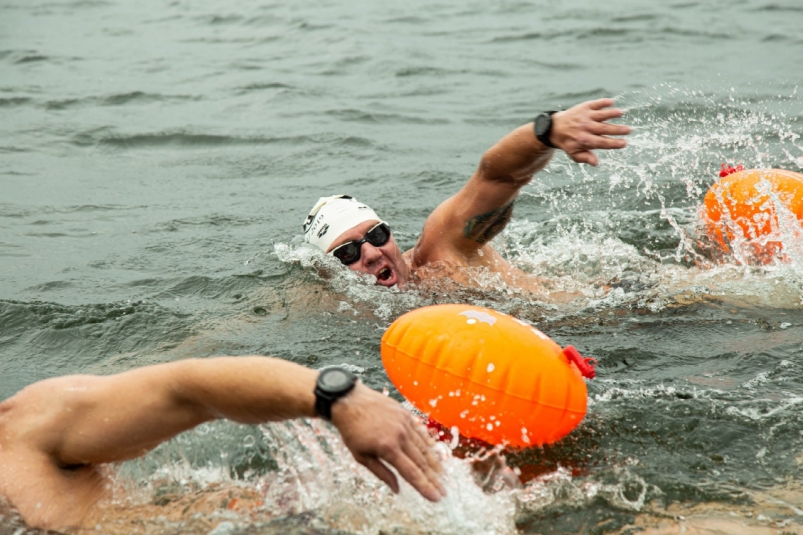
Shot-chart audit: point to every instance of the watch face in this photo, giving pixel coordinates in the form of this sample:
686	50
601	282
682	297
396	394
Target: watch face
335	379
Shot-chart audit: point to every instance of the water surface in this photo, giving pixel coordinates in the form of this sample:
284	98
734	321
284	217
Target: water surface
157	160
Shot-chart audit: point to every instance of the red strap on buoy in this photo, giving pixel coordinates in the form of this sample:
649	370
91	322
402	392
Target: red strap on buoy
728	170
585	365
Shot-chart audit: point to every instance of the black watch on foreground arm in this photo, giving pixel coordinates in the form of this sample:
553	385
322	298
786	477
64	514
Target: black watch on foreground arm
333	383
543	128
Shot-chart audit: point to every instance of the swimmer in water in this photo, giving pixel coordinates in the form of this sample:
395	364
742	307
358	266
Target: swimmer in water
457	233
56	435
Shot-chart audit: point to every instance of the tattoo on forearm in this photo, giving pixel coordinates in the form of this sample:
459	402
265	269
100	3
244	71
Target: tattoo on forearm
484	227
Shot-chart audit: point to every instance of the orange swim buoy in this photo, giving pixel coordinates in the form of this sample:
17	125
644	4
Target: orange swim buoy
752	212
491	376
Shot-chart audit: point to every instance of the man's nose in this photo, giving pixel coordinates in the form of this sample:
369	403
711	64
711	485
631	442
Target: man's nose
370	253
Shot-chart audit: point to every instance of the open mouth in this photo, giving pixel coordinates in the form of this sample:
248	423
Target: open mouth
384	274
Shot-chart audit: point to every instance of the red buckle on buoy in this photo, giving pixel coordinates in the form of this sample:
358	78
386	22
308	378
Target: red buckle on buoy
584	364
728	170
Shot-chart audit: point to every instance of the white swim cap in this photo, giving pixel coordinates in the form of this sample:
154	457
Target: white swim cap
332	216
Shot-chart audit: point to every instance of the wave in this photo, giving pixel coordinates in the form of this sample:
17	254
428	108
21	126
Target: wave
780	8
12	102
181	138
120	99
32	58
100	337
607	34
262	87
17	211
361	116
43	314
532	36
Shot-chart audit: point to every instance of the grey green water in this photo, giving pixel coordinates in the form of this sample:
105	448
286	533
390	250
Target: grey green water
157	159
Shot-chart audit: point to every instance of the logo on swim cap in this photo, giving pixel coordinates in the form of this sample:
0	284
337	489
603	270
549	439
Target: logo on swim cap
332	216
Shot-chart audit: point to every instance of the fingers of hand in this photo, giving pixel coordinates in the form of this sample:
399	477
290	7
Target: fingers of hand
414	450
590	141
411	472
584	157
381	471
426	444
423	454
602	142
417	449
600	103
606	114
606	129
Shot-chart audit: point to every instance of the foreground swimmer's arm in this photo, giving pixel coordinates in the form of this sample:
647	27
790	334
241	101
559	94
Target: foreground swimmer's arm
84	420
460	228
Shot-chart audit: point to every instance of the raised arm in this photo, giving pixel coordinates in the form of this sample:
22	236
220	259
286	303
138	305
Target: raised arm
84	420
461	226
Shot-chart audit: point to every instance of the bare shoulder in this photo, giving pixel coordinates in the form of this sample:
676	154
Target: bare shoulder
8	413
36	413
32	424
35	396
455	237
436	243
13	412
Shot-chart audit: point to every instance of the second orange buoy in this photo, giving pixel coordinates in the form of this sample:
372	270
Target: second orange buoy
750	212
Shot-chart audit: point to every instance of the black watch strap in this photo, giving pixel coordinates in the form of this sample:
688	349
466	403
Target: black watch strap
323	406
542	125
333	383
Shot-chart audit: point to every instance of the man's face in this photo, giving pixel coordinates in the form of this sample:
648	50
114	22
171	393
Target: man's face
385	263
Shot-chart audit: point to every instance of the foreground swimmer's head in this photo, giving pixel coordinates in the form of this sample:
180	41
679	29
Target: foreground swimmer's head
354	234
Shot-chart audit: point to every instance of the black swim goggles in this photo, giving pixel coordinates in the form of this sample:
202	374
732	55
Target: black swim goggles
350	252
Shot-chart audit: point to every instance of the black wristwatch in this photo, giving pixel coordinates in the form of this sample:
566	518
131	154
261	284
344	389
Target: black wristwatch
333	383
543	128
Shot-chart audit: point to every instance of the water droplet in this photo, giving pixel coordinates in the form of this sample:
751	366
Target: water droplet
490	367
455	437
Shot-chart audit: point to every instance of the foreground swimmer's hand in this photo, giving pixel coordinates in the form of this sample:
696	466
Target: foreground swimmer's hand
378	430
583	128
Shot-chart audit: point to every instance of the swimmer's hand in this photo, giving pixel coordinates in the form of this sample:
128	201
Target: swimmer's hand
583	128
378	430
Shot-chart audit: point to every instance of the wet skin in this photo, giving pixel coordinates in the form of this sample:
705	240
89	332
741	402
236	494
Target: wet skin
386	263
57	435
458	232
